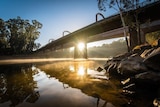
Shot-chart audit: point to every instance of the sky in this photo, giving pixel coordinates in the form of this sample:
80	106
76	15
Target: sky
56	16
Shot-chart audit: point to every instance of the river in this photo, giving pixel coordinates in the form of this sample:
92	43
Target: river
60	83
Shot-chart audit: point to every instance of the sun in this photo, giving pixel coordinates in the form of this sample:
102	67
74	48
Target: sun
71	49
81	46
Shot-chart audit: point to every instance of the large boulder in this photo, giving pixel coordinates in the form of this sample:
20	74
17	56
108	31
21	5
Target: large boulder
112	65
142	59
131	66
146	80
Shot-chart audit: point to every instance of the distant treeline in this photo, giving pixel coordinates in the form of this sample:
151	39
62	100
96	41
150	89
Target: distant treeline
108	50
104	51
17	36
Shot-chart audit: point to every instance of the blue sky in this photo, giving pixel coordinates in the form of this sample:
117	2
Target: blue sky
55	15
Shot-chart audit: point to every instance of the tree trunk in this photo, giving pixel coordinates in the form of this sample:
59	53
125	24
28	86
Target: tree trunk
124	30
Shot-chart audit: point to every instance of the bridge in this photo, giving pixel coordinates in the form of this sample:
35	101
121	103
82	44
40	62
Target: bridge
110	27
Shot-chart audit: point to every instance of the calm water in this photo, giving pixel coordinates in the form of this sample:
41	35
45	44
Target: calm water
61	84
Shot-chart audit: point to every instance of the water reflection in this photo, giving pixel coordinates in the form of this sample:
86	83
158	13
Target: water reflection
79	67
86	68
17	85
83	75
59	84
53	84
73	75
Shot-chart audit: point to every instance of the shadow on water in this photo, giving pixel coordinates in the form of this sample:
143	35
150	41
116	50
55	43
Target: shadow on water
34	83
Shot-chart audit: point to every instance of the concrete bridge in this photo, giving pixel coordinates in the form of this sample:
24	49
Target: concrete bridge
110	27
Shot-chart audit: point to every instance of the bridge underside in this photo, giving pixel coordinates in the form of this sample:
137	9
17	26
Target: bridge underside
110	27
151	27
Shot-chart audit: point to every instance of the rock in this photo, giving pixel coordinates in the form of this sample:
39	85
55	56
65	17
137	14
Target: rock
153	60
139	70
146	53
132	66
122	56
112	64
141	48
156	102
143	83
111	68
99	69
153	53
155	77
130	87
133	63
148	80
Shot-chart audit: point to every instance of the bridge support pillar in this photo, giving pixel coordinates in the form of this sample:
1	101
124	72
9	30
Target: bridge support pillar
80	53
143	37
135	38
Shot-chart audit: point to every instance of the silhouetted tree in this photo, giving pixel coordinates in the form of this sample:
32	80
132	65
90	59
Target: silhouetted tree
18	36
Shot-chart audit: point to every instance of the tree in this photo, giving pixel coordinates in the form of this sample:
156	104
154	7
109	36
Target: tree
17	39
17	36
123	6
120	6
4	36
32	34
152	37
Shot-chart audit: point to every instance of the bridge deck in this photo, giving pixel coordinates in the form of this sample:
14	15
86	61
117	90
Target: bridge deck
107	28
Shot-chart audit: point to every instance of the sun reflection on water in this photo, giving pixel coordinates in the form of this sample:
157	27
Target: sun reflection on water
85	69
81	71
80	68
71	68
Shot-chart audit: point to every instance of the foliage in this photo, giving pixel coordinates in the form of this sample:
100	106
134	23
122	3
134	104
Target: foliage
4	35
117	4
17	36
120	6
123	7
108	50
152	37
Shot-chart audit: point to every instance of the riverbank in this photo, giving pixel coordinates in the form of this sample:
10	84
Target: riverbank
138	71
